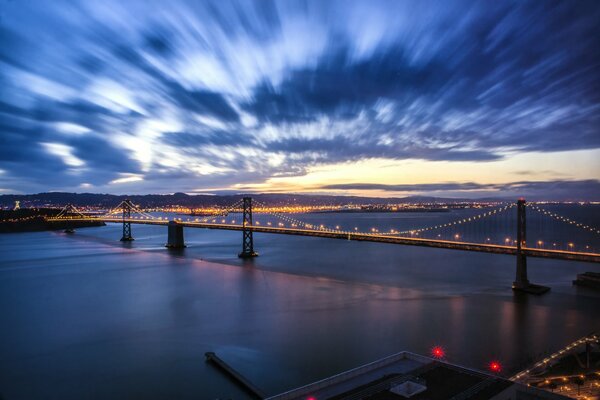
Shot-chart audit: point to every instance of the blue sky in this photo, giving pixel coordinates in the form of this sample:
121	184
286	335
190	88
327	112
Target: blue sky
351	97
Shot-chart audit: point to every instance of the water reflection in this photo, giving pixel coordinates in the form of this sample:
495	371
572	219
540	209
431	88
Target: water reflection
88	316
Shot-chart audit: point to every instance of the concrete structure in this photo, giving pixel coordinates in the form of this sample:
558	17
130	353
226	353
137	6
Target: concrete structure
589	279
175	236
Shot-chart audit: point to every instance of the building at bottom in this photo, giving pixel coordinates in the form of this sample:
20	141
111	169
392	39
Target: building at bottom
412	376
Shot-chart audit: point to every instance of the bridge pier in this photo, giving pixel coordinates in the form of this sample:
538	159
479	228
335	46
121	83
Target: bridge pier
126	223
175	236
521	282
247	239
69	226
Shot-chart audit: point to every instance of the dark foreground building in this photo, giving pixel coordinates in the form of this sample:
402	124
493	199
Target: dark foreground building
411	376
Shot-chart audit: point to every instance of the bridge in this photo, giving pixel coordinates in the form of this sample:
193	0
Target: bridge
448	235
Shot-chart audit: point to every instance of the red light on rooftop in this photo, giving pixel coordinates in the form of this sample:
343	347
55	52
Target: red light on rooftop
495	366
438	352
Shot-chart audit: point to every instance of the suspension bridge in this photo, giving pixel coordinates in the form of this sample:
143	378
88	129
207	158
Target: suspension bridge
475	233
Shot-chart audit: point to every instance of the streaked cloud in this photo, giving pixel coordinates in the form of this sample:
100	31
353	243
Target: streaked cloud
249	94
126	178
534	190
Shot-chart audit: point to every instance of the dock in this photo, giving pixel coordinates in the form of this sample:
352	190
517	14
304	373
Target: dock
589	279
239	378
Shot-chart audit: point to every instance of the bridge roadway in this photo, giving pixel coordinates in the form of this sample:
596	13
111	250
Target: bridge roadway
367	237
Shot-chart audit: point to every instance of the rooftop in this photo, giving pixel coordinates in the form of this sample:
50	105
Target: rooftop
408	375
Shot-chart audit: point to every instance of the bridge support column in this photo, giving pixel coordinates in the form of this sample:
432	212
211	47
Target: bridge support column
127	206
69	226
247	239
175	236
521	282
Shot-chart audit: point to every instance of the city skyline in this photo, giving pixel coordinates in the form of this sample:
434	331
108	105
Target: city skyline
465	99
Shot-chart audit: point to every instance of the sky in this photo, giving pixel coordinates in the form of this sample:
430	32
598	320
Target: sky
375	98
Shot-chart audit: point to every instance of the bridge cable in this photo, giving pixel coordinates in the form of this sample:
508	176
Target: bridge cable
564	219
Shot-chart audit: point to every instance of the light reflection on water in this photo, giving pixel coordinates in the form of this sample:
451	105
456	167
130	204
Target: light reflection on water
87	315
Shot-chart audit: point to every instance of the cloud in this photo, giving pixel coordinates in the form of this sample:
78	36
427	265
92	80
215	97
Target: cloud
241	92
212	137
426	187
559	189
339	148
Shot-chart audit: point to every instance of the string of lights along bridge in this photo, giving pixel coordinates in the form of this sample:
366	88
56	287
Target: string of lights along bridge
508	229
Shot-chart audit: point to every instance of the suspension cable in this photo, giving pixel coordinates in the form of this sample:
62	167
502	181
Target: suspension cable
564	219
457	222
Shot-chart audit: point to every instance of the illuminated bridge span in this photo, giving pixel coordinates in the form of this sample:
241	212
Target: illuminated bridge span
474	233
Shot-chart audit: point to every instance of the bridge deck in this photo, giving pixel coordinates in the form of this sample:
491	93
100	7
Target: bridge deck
365	237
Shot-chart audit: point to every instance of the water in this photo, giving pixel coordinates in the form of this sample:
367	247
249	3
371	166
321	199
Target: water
86	316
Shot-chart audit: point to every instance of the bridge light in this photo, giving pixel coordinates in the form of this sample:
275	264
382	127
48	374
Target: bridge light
457	236
571	245
540	243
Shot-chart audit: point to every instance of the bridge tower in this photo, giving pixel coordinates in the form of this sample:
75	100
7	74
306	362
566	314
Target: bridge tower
69	227
127	206
247	240
521	281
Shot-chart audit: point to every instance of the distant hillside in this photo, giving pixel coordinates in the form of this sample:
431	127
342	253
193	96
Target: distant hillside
182	199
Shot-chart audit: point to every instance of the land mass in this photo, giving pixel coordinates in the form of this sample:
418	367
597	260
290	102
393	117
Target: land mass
57	199
34	220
